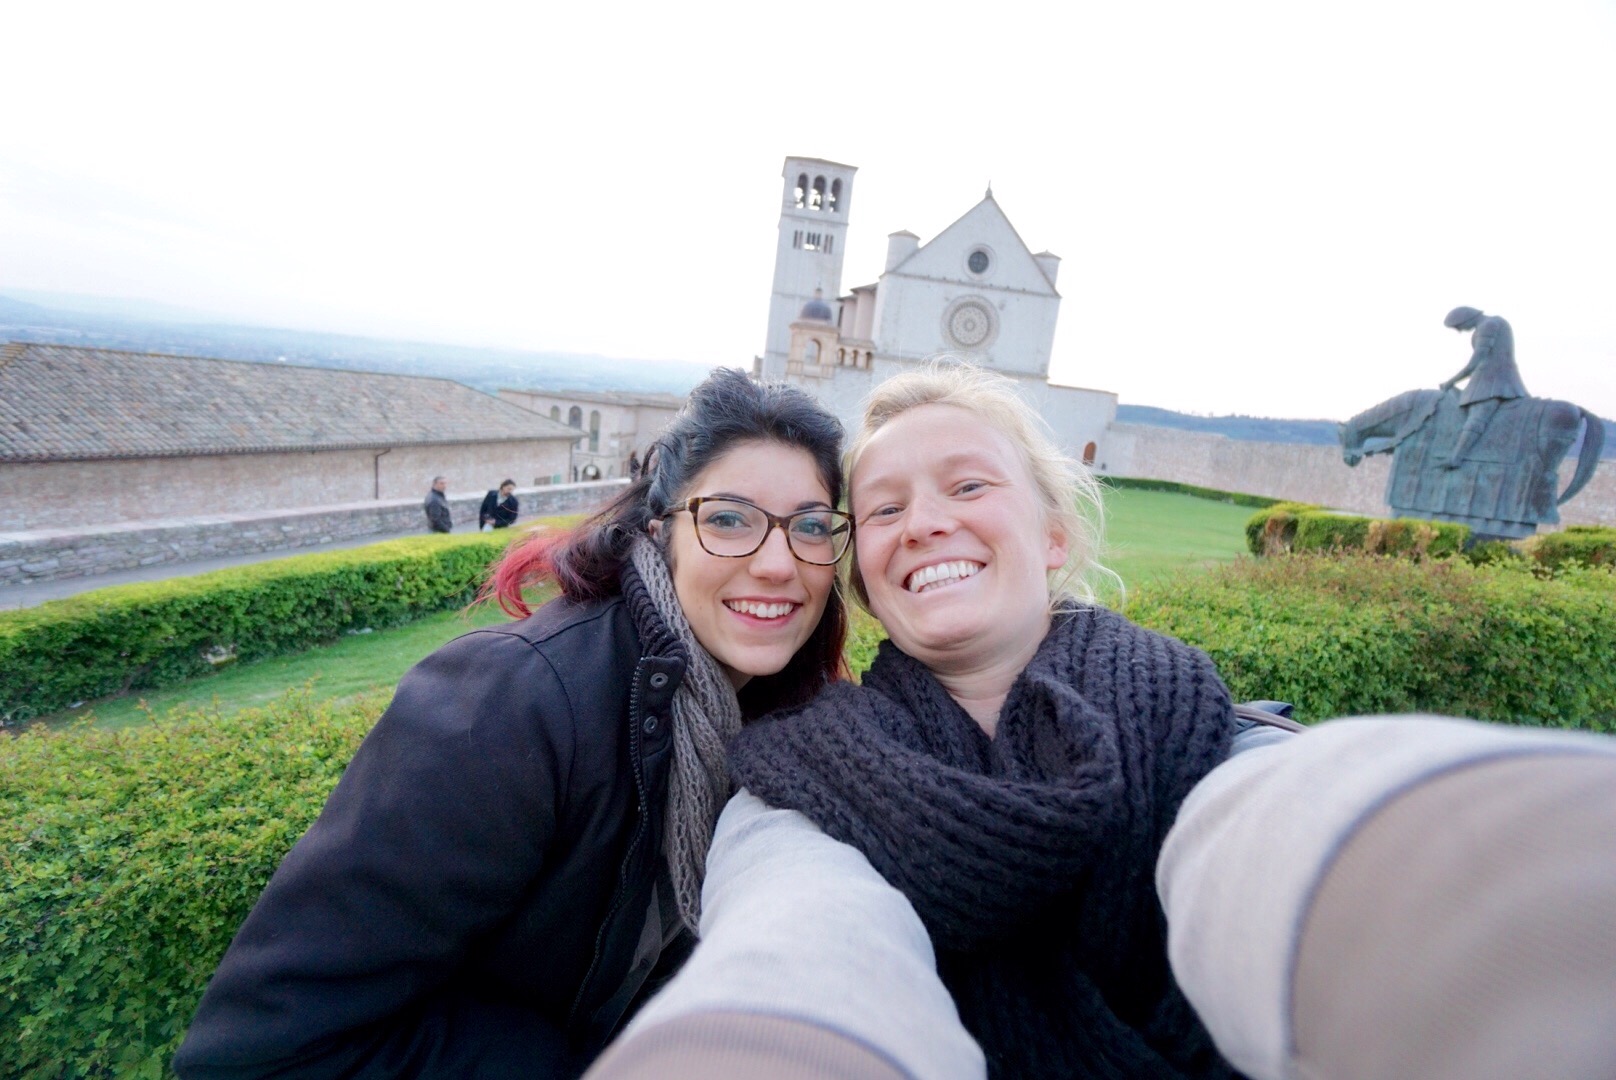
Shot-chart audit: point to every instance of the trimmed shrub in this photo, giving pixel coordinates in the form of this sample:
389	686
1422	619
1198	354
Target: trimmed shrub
1493	553
131	857
1272	530
1329	532
1238	498
1589	545
1416	538
1287	527
1354	634
133	637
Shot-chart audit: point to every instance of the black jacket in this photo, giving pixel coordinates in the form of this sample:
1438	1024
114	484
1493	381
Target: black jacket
438	516
500	513
479	896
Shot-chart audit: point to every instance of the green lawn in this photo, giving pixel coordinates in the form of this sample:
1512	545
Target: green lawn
345	668
1149	534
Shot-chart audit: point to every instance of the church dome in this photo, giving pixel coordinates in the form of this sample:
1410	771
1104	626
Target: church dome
817	309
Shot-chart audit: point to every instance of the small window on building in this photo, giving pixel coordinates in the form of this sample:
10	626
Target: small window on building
830	243
835	195
594	431
575	417
796	239
811	242
810	355
1088	453
555	413
802	189
816	197
978	262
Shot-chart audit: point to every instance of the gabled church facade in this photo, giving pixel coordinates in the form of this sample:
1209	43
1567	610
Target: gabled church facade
975	291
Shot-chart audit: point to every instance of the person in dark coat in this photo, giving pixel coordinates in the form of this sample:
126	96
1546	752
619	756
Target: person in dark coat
513	859
499	508
438	517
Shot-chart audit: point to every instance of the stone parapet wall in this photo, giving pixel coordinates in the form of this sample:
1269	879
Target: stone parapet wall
47	554
1314	474
52	494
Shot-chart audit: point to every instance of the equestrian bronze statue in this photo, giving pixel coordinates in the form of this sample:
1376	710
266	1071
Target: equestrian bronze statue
1488	457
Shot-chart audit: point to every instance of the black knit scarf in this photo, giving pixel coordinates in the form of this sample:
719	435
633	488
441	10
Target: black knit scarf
1030	856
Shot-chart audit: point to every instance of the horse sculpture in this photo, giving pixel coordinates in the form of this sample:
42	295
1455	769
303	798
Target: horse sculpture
1504	486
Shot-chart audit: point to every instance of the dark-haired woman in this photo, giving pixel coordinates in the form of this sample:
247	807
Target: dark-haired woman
514	857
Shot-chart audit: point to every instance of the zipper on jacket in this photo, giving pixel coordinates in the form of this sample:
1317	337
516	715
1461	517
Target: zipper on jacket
637	767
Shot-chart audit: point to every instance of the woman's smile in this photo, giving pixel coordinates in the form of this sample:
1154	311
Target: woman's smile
940	575
766	612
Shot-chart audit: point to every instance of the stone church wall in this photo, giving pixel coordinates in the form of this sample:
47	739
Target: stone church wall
1314	474
72	494
48	554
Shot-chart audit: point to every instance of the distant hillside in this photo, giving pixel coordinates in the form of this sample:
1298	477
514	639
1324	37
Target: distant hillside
109	327
116	324
1250	428
1265	429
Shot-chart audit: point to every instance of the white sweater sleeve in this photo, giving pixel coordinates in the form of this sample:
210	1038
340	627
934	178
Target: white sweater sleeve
798	925
1268	834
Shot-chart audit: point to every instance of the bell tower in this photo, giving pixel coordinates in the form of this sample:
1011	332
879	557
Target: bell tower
814	203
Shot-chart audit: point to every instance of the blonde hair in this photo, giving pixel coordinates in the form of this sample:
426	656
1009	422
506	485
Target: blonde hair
1068	493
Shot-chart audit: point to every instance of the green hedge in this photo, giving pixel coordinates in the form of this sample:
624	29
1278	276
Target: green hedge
864	636
132	637
130	859
1288	527
1352	634
1317	531
1238	498
132	856
1589	545
1273	529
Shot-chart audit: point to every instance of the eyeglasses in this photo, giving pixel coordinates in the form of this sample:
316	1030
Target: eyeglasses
734	529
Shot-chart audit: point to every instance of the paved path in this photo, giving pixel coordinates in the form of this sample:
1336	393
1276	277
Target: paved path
21	596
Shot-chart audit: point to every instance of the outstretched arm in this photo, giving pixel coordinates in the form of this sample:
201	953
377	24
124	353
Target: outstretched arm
810	965
1401	896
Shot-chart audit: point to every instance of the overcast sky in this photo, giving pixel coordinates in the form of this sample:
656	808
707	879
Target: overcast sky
1260	207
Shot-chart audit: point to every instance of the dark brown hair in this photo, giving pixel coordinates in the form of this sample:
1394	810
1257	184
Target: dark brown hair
727	409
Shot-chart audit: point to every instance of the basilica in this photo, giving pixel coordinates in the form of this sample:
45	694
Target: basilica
975	291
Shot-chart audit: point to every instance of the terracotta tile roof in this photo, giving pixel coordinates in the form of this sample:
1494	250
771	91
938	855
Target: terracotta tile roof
60	403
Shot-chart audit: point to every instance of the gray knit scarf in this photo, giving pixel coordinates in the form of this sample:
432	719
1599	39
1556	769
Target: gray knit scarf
706	715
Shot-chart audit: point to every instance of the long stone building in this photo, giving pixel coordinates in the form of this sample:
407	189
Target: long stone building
102	436
615	424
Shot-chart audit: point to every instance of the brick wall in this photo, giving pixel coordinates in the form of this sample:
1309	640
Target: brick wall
71	494
46	554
